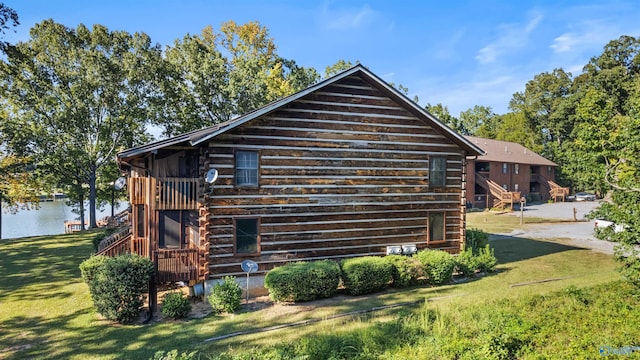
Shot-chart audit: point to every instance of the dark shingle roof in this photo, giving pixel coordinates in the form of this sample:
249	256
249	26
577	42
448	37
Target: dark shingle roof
508	152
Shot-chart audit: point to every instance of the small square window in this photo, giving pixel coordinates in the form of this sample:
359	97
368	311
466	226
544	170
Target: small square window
247	237
437	171
247	168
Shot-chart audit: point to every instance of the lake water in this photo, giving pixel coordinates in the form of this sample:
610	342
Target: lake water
47	220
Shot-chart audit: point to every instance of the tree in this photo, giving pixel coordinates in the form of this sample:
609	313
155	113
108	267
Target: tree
75	97
18	185
209	78
442	113
8	20
478	117
339	66
513	127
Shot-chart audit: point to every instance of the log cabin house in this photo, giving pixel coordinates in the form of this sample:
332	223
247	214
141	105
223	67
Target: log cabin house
507	172
348	167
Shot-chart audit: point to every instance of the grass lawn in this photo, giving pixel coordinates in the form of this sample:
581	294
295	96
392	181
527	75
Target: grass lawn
46	310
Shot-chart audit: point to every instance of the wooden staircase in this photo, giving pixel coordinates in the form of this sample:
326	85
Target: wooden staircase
503	198
556	192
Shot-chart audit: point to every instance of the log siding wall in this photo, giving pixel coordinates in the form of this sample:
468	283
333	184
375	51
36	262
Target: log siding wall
343	173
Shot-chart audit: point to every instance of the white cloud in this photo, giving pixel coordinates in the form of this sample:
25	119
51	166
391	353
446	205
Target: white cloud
345	19
512	36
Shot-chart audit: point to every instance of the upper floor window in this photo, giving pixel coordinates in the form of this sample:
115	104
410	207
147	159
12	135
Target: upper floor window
437	171
247	168
505	168
516	169
549	170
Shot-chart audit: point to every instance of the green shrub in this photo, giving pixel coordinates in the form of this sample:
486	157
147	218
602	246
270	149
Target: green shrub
226	296
175	305
438	265
117	283
365	275
407	270
475	240
466	263
486	259
90	267
303	281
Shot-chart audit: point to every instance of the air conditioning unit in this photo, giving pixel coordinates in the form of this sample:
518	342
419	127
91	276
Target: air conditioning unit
409	249
394	250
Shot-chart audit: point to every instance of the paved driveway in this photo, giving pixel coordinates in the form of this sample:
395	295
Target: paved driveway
579	234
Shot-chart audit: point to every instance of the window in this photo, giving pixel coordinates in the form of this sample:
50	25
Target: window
516	169
549	170
436	227
437	171
247	168
515	188
140	221
505	168
247	238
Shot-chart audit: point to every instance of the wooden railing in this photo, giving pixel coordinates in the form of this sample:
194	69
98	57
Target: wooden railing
177	193
127	245
556	192
172	193
114	238
177	264
503	197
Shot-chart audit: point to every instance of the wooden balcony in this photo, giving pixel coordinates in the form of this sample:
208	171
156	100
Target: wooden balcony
171	193
177	265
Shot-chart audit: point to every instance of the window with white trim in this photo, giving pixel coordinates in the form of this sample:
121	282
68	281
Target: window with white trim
437	171
247	166
505	168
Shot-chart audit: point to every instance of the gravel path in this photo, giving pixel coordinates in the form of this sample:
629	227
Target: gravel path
579	234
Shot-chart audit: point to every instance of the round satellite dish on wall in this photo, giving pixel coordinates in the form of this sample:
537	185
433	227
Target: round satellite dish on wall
212	176
120	183
249	266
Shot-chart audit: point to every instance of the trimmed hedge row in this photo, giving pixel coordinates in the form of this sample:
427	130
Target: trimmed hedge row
305	281
364	275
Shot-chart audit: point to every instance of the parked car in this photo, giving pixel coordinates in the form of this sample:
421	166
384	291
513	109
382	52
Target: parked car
585	196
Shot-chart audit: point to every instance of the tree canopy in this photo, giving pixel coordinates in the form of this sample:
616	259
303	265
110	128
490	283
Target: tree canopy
74	98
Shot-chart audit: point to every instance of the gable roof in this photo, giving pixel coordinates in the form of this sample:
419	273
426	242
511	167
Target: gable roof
508	152
198	137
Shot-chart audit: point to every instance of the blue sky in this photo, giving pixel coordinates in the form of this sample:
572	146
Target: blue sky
459	53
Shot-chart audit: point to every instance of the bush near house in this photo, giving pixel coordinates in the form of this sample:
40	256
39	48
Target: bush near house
117	283
467	263
366	274
438	265
226	296
486	259
475	240
407	271
303	281
175	305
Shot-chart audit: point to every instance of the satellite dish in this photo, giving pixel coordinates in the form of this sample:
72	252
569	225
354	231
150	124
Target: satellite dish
212	176
249	266
119	183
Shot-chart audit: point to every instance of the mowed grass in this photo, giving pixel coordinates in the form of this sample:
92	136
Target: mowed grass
46	309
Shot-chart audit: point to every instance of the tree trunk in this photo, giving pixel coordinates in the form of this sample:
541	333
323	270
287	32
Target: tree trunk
92	199
0	218
82	212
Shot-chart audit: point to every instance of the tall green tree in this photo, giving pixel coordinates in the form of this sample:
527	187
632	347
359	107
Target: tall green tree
8	20
214	76
75	97
442	113
473	119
